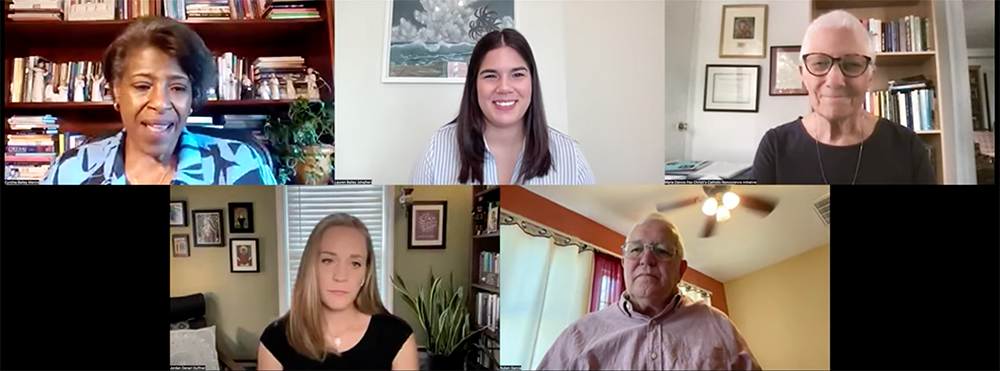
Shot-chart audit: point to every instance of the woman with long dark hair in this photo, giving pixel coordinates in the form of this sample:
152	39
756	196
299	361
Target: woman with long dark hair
500	135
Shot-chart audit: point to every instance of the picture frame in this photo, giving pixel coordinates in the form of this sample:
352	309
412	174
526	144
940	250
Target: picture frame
743	31
785	78
180	245
428	225
178	214
414	53
209	230
241	217
732	88
244	255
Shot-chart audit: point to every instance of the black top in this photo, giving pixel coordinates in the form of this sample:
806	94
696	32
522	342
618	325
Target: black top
892	155
376	350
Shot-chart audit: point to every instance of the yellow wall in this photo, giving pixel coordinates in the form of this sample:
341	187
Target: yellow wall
783	311
240	305
415	265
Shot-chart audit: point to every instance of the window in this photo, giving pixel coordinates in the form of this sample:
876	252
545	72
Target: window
300	208
608	284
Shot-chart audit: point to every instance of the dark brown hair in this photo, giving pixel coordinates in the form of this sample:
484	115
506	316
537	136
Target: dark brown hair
537	160
171	37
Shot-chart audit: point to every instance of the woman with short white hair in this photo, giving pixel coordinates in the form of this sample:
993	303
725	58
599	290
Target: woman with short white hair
839	142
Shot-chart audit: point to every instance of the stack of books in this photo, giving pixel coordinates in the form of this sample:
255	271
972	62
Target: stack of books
33	143
290	9
36	10
212	10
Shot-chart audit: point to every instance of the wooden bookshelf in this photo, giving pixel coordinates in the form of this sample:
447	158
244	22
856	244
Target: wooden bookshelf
483	242
897	65
67	41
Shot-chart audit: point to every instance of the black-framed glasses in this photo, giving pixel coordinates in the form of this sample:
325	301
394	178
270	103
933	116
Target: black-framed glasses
634	250
851	65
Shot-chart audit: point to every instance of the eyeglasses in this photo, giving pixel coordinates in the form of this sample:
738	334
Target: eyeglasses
634	250
851	65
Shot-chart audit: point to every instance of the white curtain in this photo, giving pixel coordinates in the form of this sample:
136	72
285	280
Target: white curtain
552	288
695	293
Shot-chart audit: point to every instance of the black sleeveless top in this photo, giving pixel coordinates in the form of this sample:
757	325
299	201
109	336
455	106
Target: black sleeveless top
376	350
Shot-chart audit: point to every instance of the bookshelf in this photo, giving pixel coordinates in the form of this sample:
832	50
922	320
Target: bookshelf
484	285
899	65
71	41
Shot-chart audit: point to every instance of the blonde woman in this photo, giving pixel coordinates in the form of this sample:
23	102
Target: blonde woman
337	320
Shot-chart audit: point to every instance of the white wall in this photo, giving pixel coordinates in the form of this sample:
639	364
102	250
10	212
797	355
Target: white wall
733	137
602	85
984	58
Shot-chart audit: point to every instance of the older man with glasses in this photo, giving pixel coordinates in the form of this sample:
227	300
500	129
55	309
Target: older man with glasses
840	142
653	327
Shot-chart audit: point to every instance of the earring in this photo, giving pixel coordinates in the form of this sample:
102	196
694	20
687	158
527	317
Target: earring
190	111
115	105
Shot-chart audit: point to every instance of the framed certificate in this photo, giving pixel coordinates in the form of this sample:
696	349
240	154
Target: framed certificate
785	78
732	88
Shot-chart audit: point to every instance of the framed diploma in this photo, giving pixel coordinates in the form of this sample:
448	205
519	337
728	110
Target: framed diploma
744	31
785	78
732	88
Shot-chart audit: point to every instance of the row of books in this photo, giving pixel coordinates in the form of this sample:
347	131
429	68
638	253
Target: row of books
33	142
103	10
488	311
489	268
36	10
82	10
907	34
240	9
910	104
38	80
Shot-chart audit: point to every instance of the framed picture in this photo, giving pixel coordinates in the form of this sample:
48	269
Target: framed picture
428	224
181	245
785	78
208	228
241	217
744	31
178	213
732	88
244	255
434	45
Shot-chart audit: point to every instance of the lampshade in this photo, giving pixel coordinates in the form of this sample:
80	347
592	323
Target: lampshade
730	200
722	214
710	206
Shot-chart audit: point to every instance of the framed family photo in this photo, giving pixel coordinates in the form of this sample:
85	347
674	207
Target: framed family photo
433	45
181	244
208	228
244	255
428	224
732	88
744	31
178	214
241	217
785	78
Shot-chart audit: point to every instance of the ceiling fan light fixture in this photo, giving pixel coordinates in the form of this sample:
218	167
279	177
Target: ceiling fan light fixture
730	200
722	214
710	207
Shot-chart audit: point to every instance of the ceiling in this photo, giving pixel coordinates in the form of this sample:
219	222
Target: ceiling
979	23
743	244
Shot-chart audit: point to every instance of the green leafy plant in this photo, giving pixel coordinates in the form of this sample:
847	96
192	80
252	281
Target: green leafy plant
442	314
307	123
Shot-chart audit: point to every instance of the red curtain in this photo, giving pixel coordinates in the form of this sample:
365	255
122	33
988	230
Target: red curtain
608	282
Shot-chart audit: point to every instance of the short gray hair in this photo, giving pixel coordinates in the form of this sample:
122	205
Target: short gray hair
659	218
839	20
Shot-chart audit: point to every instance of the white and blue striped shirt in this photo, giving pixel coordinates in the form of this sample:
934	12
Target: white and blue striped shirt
440	164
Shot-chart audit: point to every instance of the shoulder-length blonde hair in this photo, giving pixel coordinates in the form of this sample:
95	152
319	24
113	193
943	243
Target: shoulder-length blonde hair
305	316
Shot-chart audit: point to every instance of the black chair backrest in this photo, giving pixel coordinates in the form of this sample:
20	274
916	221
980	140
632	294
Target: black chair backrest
190	309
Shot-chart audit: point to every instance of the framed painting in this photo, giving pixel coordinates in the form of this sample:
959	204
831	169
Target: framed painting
428	225
425	45
244	255
181	245
178	214
732	88
744	31
241	217
208	229
785	78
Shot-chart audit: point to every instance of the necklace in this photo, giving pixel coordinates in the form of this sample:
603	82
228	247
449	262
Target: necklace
131	180
336	343
856	166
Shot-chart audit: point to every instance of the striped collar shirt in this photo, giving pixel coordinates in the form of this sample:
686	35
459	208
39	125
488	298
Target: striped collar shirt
440	164
686	335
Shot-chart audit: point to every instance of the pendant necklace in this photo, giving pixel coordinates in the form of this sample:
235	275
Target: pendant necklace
856	166
336	343
133	182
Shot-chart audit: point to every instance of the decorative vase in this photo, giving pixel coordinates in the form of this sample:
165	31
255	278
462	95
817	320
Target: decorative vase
317	163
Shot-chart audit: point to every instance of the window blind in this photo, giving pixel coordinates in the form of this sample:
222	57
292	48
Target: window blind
307	205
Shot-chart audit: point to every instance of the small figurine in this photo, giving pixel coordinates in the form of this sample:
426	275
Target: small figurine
246	90
97	89
38	82
290	89
275	91
477	220
263	90
79	92
311	87
50	93
63	95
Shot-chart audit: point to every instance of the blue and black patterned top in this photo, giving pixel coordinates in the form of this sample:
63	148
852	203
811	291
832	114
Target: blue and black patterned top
202	160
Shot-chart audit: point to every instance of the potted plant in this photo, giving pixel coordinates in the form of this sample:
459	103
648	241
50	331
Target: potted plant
442	314
303	142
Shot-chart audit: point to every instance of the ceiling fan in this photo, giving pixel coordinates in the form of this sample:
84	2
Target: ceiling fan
717	203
